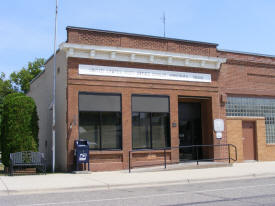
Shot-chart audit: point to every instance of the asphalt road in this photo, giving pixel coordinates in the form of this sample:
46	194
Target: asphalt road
256	191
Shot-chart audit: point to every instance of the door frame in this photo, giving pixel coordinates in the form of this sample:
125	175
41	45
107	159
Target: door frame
205	107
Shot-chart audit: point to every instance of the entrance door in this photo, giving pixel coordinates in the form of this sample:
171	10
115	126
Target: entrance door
249	140
189	129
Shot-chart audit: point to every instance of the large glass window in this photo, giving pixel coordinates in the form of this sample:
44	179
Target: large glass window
141	130
254	107
150	122
89	128
100	120
160	130
111	130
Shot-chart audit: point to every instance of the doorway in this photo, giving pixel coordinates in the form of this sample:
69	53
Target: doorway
249	148
195	127
189	129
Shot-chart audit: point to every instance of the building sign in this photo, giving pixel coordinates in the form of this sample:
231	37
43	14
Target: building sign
142	73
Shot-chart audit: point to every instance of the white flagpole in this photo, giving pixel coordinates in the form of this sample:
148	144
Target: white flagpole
54	88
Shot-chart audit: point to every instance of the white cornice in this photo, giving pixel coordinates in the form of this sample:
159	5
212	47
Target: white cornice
141	56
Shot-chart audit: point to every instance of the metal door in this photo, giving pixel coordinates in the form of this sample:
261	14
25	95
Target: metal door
248	140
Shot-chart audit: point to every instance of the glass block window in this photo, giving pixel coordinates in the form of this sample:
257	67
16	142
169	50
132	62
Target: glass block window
254	107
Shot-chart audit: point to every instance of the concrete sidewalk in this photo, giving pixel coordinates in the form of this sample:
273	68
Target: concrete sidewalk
119	179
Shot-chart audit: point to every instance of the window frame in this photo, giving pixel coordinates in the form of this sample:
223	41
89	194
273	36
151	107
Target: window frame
151	134
100	120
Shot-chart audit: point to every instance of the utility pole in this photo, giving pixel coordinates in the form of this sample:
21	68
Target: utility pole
54	88
164	22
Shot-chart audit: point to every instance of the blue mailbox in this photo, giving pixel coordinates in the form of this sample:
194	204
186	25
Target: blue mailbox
82	153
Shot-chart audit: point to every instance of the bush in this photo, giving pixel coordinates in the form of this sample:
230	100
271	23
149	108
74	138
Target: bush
19	126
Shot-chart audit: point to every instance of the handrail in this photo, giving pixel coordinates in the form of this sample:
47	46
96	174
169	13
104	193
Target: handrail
236	153
229	158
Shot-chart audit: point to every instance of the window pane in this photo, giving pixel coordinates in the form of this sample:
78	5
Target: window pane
160	130
111	130
89	128
141	130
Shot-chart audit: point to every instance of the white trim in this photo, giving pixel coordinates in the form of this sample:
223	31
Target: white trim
97	70
141	56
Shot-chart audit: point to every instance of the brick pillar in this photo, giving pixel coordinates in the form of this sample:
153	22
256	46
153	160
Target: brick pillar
218	111
72	118
126	127
174	131
263	152
234	136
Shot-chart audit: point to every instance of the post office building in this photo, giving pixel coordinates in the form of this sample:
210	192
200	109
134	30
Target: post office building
134	96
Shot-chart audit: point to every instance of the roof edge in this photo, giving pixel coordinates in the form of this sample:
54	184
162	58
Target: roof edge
51	56
140	35
246	53
37	76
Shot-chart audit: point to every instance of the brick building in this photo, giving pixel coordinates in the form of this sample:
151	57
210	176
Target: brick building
124	91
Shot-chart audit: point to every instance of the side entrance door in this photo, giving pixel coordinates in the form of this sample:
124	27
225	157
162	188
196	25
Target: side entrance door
249	140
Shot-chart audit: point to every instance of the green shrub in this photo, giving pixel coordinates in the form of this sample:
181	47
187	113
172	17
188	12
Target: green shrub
19	125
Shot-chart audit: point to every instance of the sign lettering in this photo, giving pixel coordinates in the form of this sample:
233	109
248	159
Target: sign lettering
142	73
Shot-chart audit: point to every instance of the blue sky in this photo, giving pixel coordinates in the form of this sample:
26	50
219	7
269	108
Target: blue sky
27	26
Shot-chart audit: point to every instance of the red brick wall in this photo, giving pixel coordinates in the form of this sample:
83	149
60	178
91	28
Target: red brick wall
138	42
246	57
247	80
247	74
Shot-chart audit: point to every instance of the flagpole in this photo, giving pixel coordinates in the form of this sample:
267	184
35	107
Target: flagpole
54	88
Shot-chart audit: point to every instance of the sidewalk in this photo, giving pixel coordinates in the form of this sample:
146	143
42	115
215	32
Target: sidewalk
118	179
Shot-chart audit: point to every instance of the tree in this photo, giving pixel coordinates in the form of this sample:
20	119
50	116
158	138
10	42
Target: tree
21	80
5	85
5	89
18	82
19	126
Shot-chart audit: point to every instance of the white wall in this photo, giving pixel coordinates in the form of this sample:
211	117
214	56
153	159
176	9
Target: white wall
41	92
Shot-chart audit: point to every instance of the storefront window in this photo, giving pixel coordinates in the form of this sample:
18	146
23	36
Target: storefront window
102	128
150	129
